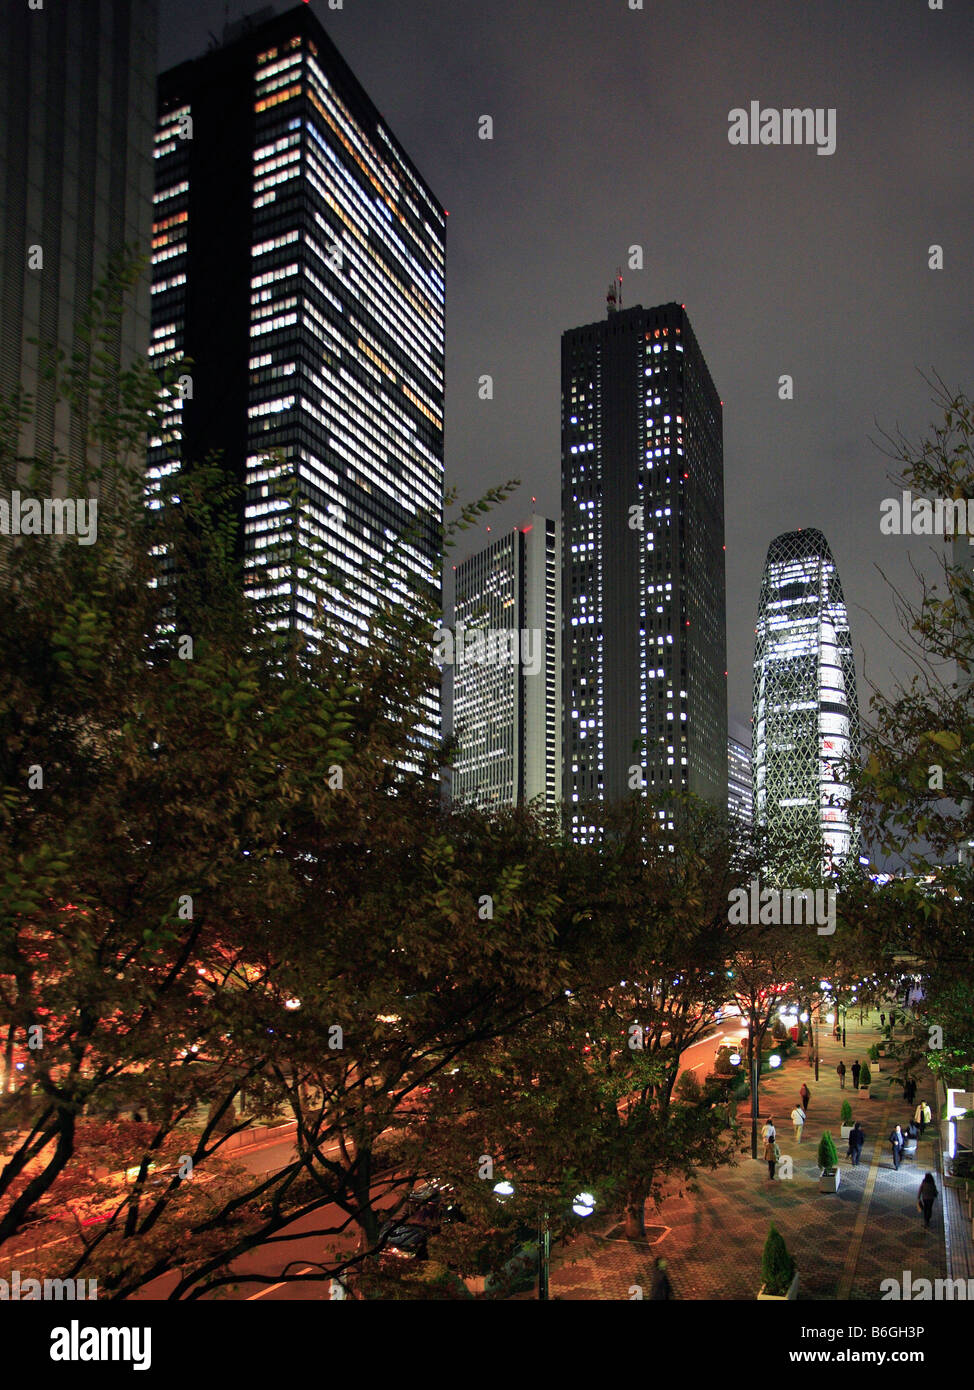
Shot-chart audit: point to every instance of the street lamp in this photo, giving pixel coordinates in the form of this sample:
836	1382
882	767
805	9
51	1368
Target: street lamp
583	1204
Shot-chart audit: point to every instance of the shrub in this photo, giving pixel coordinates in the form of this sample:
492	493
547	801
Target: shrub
846	1113
722	1062
865	1076
827	1156
873	1053
688	1088
777	1266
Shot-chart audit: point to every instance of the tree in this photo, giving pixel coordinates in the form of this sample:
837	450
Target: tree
828	1158
231	893
587	1092
777	1266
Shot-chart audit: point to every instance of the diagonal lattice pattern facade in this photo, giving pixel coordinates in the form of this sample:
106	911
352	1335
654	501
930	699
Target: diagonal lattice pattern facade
806	713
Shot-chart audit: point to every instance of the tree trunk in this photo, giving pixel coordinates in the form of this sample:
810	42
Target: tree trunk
634	1216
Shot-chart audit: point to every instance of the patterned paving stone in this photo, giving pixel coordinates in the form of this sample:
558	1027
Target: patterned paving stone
844	1243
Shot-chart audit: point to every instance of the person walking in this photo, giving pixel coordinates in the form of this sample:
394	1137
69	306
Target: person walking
923	1116
856	1140
926	1197
882	1020
771	1153
896	1143
840	1073
769	1133
909	1090
798	1120
661	1287
856	1069
806	1096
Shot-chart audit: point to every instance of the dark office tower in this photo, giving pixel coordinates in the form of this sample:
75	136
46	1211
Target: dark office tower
806	715
299	263
645	694
77	107
507	669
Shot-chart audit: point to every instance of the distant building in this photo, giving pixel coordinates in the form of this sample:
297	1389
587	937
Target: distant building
77	107
298	261
645	689
806	714
740	787
507	669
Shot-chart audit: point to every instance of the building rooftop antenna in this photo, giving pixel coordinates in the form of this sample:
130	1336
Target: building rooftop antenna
613	298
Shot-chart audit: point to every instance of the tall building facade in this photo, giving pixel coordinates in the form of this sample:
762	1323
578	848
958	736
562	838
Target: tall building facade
507	669
645	691
806	712
77	109
740	786
298	261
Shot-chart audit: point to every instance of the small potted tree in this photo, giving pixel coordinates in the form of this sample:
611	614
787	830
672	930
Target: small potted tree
865	1077
846	1128
778	1271
828	1162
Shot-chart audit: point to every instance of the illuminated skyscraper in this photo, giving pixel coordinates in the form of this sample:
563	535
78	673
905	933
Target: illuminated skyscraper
806	714
507	694
645	690
298	261
740	784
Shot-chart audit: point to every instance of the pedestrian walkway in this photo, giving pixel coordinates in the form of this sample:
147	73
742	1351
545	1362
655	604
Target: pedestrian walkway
844	1243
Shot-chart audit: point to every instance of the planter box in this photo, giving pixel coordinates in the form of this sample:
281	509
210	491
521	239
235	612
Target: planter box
475	1283
788	1297
829	1182
845	1131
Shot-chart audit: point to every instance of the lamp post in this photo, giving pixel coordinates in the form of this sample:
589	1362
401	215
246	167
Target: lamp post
583	1204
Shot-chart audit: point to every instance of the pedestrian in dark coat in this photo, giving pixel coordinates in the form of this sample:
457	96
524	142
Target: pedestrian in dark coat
909	1091
856	1140
926	1197
896	1143
806	1096
840	1073
661	1287
882	1020
856	1069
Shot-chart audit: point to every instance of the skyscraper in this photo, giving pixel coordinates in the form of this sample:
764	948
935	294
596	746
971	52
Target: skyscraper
806	714
740	786
507	669
645	694
77	106
299	263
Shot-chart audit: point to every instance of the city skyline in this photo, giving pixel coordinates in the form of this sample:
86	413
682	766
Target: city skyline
789	264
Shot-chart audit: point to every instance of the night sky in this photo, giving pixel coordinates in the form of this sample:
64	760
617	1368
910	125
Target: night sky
611	129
